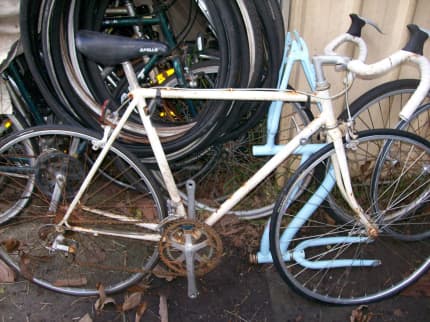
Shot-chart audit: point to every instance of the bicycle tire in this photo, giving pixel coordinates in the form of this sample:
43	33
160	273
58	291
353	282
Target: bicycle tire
252	60
407	192
28	21
379	108
48	25
418	122
394	264
205	122
272	25
122	186
14	198
9	124
54	44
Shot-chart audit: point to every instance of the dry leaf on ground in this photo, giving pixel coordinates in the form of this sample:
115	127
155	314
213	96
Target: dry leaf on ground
361	314
131	301
103	299
162	273
7	275
86	318
140	311
141	287
10	245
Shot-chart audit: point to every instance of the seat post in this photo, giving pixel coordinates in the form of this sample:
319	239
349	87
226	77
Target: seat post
131	75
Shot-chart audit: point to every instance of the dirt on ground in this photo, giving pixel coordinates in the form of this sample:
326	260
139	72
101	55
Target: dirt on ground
235	291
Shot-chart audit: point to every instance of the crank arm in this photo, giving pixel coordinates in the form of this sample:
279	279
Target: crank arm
189	260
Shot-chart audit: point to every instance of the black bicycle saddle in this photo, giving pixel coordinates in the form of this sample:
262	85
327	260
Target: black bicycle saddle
111	50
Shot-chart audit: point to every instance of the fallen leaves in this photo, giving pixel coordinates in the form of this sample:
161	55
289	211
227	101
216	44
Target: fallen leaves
361	314
162	273
7	275
132	301
103	299
241	234
10	245
140	311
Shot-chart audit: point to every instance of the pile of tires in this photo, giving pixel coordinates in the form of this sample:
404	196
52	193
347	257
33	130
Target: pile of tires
213	43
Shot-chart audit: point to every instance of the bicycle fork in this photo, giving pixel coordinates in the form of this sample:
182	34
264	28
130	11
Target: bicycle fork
343	180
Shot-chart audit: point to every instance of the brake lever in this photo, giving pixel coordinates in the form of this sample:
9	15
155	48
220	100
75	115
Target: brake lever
427	31
371	23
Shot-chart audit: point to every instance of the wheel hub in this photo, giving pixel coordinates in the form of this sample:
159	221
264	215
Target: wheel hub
54	166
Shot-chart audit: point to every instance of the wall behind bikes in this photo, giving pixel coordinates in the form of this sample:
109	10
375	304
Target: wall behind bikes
319	21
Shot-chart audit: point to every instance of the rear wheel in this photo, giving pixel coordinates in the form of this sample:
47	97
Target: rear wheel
121	196
380	107
15	196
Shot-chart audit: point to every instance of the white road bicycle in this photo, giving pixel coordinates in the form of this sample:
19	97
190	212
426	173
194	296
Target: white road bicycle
95	214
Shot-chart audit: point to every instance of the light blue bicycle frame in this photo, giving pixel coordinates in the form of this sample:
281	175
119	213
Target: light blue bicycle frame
296	51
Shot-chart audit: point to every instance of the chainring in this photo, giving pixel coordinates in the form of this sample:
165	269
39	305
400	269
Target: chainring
205	259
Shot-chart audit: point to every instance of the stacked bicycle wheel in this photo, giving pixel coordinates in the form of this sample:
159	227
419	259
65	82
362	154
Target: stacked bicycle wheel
212	44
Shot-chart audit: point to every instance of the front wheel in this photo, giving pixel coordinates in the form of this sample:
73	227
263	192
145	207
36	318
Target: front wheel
337	262
121	196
